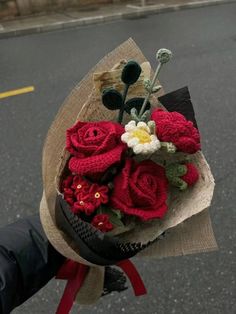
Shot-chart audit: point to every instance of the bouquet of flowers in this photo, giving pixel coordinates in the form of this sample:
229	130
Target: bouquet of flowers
123	175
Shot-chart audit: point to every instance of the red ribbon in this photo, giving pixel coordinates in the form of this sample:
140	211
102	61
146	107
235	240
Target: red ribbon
75	273
135	279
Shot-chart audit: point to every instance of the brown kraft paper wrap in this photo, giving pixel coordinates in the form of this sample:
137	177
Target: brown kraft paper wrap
187	221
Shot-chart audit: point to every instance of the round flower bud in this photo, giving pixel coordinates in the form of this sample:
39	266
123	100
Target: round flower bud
163	55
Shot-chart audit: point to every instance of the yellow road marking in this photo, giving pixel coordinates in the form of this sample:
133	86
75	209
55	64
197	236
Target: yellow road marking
15	92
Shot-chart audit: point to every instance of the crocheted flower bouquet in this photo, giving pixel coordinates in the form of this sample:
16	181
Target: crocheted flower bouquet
131	173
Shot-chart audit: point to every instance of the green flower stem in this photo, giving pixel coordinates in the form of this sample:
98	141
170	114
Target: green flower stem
122	108
163	56
168	147
150	90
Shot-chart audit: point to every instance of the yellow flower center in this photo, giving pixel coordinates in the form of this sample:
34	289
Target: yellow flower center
142	135
97	195
81	203
79	186
100	223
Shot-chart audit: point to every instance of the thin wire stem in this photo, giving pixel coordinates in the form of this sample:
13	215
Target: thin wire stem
150	90
121	112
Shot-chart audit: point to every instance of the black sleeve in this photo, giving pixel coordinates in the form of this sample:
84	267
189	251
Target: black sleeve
27	262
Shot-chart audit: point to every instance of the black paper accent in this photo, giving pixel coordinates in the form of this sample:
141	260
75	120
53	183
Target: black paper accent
93	245
180	101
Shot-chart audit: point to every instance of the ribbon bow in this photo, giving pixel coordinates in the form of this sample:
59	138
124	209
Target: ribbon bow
75	274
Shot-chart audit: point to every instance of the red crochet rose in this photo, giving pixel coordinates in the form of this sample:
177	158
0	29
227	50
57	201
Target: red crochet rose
101	222
191	175
95	146
141	190
173	127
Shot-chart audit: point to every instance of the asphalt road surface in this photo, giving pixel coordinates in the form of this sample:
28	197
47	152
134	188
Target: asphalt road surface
204	44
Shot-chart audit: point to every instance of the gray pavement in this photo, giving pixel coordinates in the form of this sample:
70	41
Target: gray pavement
95	14
204	44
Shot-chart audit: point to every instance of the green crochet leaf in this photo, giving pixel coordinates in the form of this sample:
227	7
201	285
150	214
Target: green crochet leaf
168	147
136	103
152	125
131	73
175	170
112	99
147	86
134	115
146	116
179	183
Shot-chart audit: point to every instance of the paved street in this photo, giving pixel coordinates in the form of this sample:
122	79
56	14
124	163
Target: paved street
204	45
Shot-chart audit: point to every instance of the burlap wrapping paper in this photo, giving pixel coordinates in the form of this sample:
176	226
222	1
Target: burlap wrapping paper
187	220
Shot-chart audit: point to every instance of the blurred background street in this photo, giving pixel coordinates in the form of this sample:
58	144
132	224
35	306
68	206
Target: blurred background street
203	41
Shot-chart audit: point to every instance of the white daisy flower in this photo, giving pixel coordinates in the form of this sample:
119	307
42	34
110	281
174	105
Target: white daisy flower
139	138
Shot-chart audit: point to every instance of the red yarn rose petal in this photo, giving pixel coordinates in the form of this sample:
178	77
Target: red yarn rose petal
192	174
96	164
173	127
141	190
95	146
